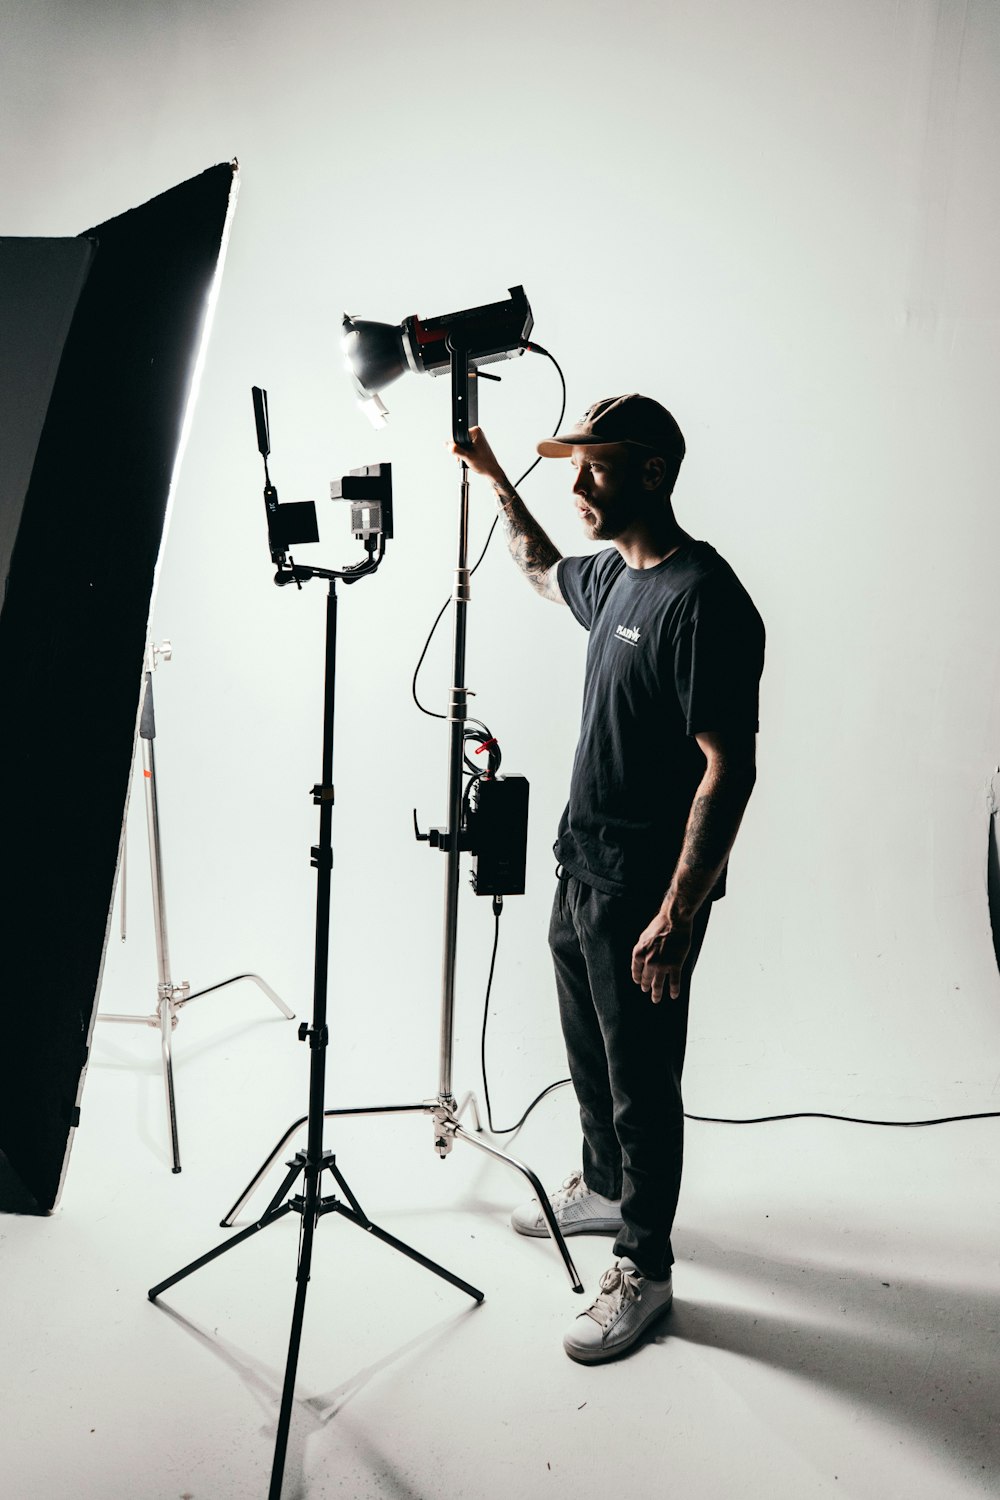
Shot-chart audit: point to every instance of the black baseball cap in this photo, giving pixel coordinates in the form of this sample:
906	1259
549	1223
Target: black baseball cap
621	419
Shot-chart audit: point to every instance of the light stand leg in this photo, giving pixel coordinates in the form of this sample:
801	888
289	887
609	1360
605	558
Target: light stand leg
302	1273
203	1260
261	984
167	1023
543	1199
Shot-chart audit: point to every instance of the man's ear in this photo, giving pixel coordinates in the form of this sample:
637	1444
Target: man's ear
653	473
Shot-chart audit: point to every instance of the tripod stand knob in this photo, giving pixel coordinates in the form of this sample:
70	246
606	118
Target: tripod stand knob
437	837
315	1037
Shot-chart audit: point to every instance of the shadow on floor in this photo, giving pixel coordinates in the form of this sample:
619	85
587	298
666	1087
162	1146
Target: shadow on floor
312	1413
919	1354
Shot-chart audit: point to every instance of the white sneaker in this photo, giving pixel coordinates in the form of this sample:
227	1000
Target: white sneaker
626	1306
577	1211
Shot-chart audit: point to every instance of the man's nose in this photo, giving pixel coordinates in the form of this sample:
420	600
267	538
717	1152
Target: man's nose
579	483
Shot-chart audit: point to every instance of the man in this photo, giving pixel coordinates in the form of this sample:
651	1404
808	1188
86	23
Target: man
662	774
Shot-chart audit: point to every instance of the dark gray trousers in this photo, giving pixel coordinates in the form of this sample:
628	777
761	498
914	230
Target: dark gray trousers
626	1056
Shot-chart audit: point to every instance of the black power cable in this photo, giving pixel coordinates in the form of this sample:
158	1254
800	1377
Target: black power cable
502	1129
802	1114
814	1114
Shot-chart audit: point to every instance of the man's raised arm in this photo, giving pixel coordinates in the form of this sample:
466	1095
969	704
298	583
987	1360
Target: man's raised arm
531	549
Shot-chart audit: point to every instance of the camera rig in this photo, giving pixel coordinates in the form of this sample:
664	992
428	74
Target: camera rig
289	523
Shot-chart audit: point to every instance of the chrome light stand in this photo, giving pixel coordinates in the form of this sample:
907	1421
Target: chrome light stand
445	1111
170	997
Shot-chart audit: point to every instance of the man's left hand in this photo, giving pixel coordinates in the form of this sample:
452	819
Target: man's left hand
659	956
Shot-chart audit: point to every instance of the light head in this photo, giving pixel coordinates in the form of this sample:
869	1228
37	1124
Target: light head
378	353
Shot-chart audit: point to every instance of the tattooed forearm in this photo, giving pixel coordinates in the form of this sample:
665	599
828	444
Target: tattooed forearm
712	826
529	546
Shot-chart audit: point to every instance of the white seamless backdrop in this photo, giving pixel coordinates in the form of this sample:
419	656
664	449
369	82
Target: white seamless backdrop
783	220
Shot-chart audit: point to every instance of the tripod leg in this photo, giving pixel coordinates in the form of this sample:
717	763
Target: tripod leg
363	1222
357	1215
294	1342
271	1212
540	1193
166	1027
203	1260
360	1216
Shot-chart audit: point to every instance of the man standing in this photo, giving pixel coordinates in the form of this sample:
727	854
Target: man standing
663	771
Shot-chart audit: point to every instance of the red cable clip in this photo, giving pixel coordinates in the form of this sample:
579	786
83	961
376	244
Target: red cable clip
486	745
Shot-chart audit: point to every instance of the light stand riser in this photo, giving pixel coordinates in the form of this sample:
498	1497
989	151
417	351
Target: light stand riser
457	714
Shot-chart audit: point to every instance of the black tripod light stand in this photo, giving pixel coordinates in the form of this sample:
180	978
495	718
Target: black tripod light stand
446	1111
288	524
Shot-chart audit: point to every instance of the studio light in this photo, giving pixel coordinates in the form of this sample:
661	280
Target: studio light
378	353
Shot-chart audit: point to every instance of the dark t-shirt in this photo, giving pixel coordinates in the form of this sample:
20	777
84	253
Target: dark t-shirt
674	651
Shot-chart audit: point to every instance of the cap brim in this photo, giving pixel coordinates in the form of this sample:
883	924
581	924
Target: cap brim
562	445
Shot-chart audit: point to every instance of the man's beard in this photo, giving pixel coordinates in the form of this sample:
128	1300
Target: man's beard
623	511
607	526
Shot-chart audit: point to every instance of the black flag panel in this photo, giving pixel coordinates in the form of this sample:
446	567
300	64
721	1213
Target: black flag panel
84	541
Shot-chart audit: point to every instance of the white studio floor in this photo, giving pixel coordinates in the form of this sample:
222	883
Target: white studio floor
835	1329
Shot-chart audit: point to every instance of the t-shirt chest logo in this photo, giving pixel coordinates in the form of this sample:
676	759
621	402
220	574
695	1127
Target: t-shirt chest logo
628	633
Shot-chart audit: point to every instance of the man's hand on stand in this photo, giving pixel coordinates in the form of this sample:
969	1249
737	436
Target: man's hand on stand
529	546
480	458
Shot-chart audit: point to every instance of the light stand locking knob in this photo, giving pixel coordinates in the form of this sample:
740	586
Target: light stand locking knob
315	1036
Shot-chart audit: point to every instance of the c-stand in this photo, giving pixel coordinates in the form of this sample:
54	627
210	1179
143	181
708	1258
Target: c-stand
170	997
310	1164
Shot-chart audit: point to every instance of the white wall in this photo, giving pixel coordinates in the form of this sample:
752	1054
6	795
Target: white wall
781	219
